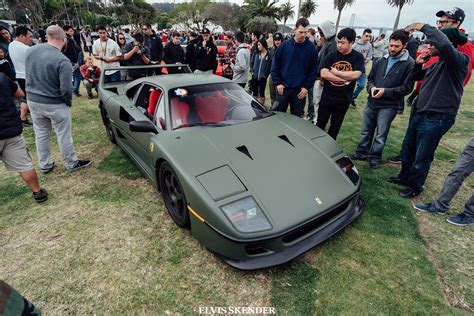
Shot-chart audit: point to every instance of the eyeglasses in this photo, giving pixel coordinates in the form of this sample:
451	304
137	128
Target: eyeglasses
121	38
443	22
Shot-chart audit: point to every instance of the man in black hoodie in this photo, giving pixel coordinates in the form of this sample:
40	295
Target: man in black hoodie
74	53
191	51
174	53
206	54
438	103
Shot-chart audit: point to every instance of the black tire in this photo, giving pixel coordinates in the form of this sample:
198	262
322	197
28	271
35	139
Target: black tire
108	126
173	195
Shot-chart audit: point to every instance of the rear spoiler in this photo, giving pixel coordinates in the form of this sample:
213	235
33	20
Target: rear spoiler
152	70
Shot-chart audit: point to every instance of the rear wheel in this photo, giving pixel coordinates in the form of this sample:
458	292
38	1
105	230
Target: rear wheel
108	127
173	195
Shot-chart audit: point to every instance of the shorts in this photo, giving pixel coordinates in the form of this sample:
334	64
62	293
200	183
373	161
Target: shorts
258	87
22	84
15	155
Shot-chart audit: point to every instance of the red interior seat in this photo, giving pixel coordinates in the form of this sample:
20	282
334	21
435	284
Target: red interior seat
179	112
153	101
212	108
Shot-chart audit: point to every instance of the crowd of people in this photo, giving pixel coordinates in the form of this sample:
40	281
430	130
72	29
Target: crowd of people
319	65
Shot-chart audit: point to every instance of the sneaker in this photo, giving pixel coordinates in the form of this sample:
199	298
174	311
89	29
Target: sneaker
428	207
353	103
40	196
396	159
91	96
462	219
309	117
26	123
374	164
409	193
80	164
356	156
48	170
77	94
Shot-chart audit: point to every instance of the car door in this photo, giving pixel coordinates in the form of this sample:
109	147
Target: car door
139	143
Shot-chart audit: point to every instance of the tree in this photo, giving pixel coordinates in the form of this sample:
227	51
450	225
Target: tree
262	24
308	8
398	4
339	5
262	8
286	12
190	14
224	14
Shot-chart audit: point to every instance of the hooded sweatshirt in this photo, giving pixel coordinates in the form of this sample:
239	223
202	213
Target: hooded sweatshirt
329	31
365	49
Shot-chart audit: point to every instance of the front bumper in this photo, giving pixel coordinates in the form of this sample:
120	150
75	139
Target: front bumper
285	247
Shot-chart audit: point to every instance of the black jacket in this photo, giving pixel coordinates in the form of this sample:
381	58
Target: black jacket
397	83
72	50
206	56
173	54
155	46
412	47
191	50
328	47
442	86
10	124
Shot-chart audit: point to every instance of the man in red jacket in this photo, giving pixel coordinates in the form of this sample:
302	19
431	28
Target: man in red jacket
90	75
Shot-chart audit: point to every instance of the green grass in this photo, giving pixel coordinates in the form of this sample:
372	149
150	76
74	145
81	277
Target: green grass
104	242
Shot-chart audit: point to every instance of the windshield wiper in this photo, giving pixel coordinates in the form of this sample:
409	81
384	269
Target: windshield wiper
213	124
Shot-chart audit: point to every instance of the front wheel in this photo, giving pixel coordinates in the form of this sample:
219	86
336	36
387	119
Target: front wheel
173	195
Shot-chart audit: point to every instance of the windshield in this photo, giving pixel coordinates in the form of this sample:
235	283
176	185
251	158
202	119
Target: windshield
213	105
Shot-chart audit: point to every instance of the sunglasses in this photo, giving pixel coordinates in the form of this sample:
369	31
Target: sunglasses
443	22
121	38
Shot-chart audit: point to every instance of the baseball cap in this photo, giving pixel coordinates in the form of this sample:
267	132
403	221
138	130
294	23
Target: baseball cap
193	34
277	37
205	31
455	14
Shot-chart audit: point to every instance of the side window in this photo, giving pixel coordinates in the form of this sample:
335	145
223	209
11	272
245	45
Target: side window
160	114
148	100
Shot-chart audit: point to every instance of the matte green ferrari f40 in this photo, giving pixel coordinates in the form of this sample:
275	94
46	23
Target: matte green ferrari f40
255	187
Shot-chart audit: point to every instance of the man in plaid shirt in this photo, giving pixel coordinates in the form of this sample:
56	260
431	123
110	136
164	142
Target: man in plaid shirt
229	55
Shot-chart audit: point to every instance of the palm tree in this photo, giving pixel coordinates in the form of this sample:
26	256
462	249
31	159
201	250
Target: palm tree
399	4
286	12
308	8
263	8
340	5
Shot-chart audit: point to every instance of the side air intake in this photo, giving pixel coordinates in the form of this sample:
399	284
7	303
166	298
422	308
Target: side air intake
245	151
285	138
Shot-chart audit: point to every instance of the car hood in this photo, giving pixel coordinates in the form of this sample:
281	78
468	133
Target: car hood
277	159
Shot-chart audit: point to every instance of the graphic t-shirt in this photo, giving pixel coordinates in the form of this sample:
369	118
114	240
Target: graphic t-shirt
341	93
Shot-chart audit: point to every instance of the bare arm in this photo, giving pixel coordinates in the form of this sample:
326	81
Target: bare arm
328	75
19	93
347	75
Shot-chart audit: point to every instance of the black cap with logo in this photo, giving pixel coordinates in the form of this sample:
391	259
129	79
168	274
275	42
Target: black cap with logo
456	14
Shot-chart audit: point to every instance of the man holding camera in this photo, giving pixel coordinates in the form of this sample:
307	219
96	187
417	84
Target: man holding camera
90	75
136	54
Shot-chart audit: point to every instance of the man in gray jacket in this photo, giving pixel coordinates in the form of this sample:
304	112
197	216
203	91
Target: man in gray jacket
241	65
364	47
389	82
48	83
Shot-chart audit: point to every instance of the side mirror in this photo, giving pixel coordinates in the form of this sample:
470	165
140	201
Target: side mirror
142	127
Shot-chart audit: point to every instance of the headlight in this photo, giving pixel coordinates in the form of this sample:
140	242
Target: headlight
346	164
246	215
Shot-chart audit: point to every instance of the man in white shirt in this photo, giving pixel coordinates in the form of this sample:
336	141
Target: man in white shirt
108	52
17	51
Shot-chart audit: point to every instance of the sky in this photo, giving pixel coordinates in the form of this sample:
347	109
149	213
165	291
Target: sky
377	13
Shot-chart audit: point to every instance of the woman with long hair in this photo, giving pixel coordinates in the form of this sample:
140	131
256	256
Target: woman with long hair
5	39
261	70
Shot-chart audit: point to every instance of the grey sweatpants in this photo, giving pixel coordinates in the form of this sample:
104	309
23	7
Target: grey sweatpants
461	170
45	118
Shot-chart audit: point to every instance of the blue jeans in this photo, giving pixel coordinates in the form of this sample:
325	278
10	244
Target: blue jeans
76	80
360	86
115	77
310	101
289	97
375	118
421	140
